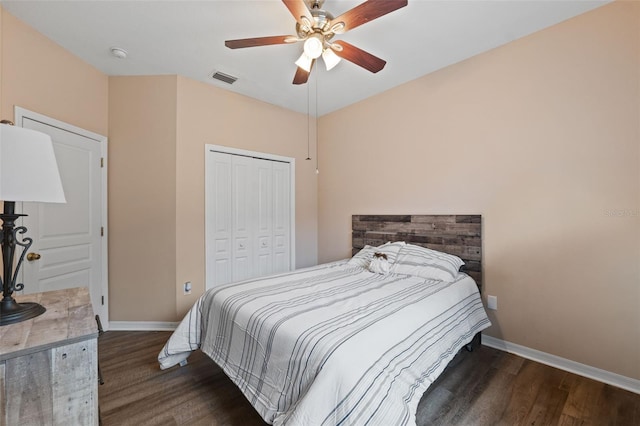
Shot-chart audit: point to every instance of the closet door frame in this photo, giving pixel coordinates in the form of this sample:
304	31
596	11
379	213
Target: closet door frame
209	234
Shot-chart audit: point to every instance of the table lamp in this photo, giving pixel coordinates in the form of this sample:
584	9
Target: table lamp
28	172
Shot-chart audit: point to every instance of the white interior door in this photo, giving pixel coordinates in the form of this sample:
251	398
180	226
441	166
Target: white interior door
70	237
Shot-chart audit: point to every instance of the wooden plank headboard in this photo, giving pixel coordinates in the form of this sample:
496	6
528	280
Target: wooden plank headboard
460	235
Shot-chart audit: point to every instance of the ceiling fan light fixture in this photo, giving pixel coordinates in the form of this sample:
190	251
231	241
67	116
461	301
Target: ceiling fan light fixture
316	27
330	58
314	45
304	62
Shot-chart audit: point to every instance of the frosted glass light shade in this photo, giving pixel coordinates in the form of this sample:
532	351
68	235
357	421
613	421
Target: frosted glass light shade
313	46
28	167
330	58
304	62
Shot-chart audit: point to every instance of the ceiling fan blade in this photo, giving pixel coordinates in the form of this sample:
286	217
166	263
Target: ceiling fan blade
368	11
298	9
359	57
302	76
258	41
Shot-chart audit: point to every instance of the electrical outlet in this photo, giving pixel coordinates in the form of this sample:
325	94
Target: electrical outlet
187	287
492	302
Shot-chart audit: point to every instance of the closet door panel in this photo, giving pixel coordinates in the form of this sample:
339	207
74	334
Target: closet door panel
281	217
263	247
219	202
242	218
222	263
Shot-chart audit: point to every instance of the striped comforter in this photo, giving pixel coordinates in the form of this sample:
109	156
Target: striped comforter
332	344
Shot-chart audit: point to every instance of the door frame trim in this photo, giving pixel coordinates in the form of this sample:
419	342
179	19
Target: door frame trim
22	113
292	194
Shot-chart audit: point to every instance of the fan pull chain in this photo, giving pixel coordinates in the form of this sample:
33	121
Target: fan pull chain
308	125
317	160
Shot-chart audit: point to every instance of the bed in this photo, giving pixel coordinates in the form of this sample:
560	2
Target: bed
337	344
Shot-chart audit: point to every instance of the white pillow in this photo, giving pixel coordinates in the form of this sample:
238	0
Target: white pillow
379	264
364	256
427	263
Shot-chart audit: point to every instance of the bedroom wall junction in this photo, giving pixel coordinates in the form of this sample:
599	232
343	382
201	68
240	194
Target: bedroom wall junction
540	136
158	127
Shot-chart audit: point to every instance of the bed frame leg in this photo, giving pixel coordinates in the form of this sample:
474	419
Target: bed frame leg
477	341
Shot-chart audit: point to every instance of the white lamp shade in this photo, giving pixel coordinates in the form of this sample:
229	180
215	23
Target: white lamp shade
313	46
330	58
28	168
304	62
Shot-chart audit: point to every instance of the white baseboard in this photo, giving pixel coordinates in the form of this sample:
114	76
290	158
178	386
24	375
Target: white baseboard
142	326
604	376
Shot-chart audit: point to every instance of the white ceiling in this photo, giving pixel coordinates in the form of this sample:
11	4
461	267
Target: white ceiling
187	38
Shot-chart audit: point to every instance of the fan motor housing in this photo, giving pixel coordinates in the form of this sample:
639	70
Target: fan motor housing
322	20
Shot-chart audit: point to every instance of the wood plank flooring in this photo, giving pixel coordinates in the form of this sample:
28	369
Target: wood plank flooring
484	387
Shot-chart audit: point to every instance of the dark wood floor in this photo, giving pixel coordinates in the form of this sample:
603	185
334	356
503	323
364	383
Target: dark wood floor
484	387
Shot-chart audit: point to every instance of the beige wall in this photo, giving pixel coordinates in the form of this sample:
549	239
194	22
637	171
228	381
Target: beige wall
210	115
39	75
142	198
158	129
541	137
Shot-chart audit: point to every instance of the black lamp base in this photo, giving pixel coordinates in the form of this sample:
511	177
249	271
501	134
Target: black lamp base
12	312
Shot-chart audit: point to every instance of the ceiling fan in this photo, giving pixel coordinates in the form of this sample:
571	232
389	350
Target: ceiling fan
317	27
